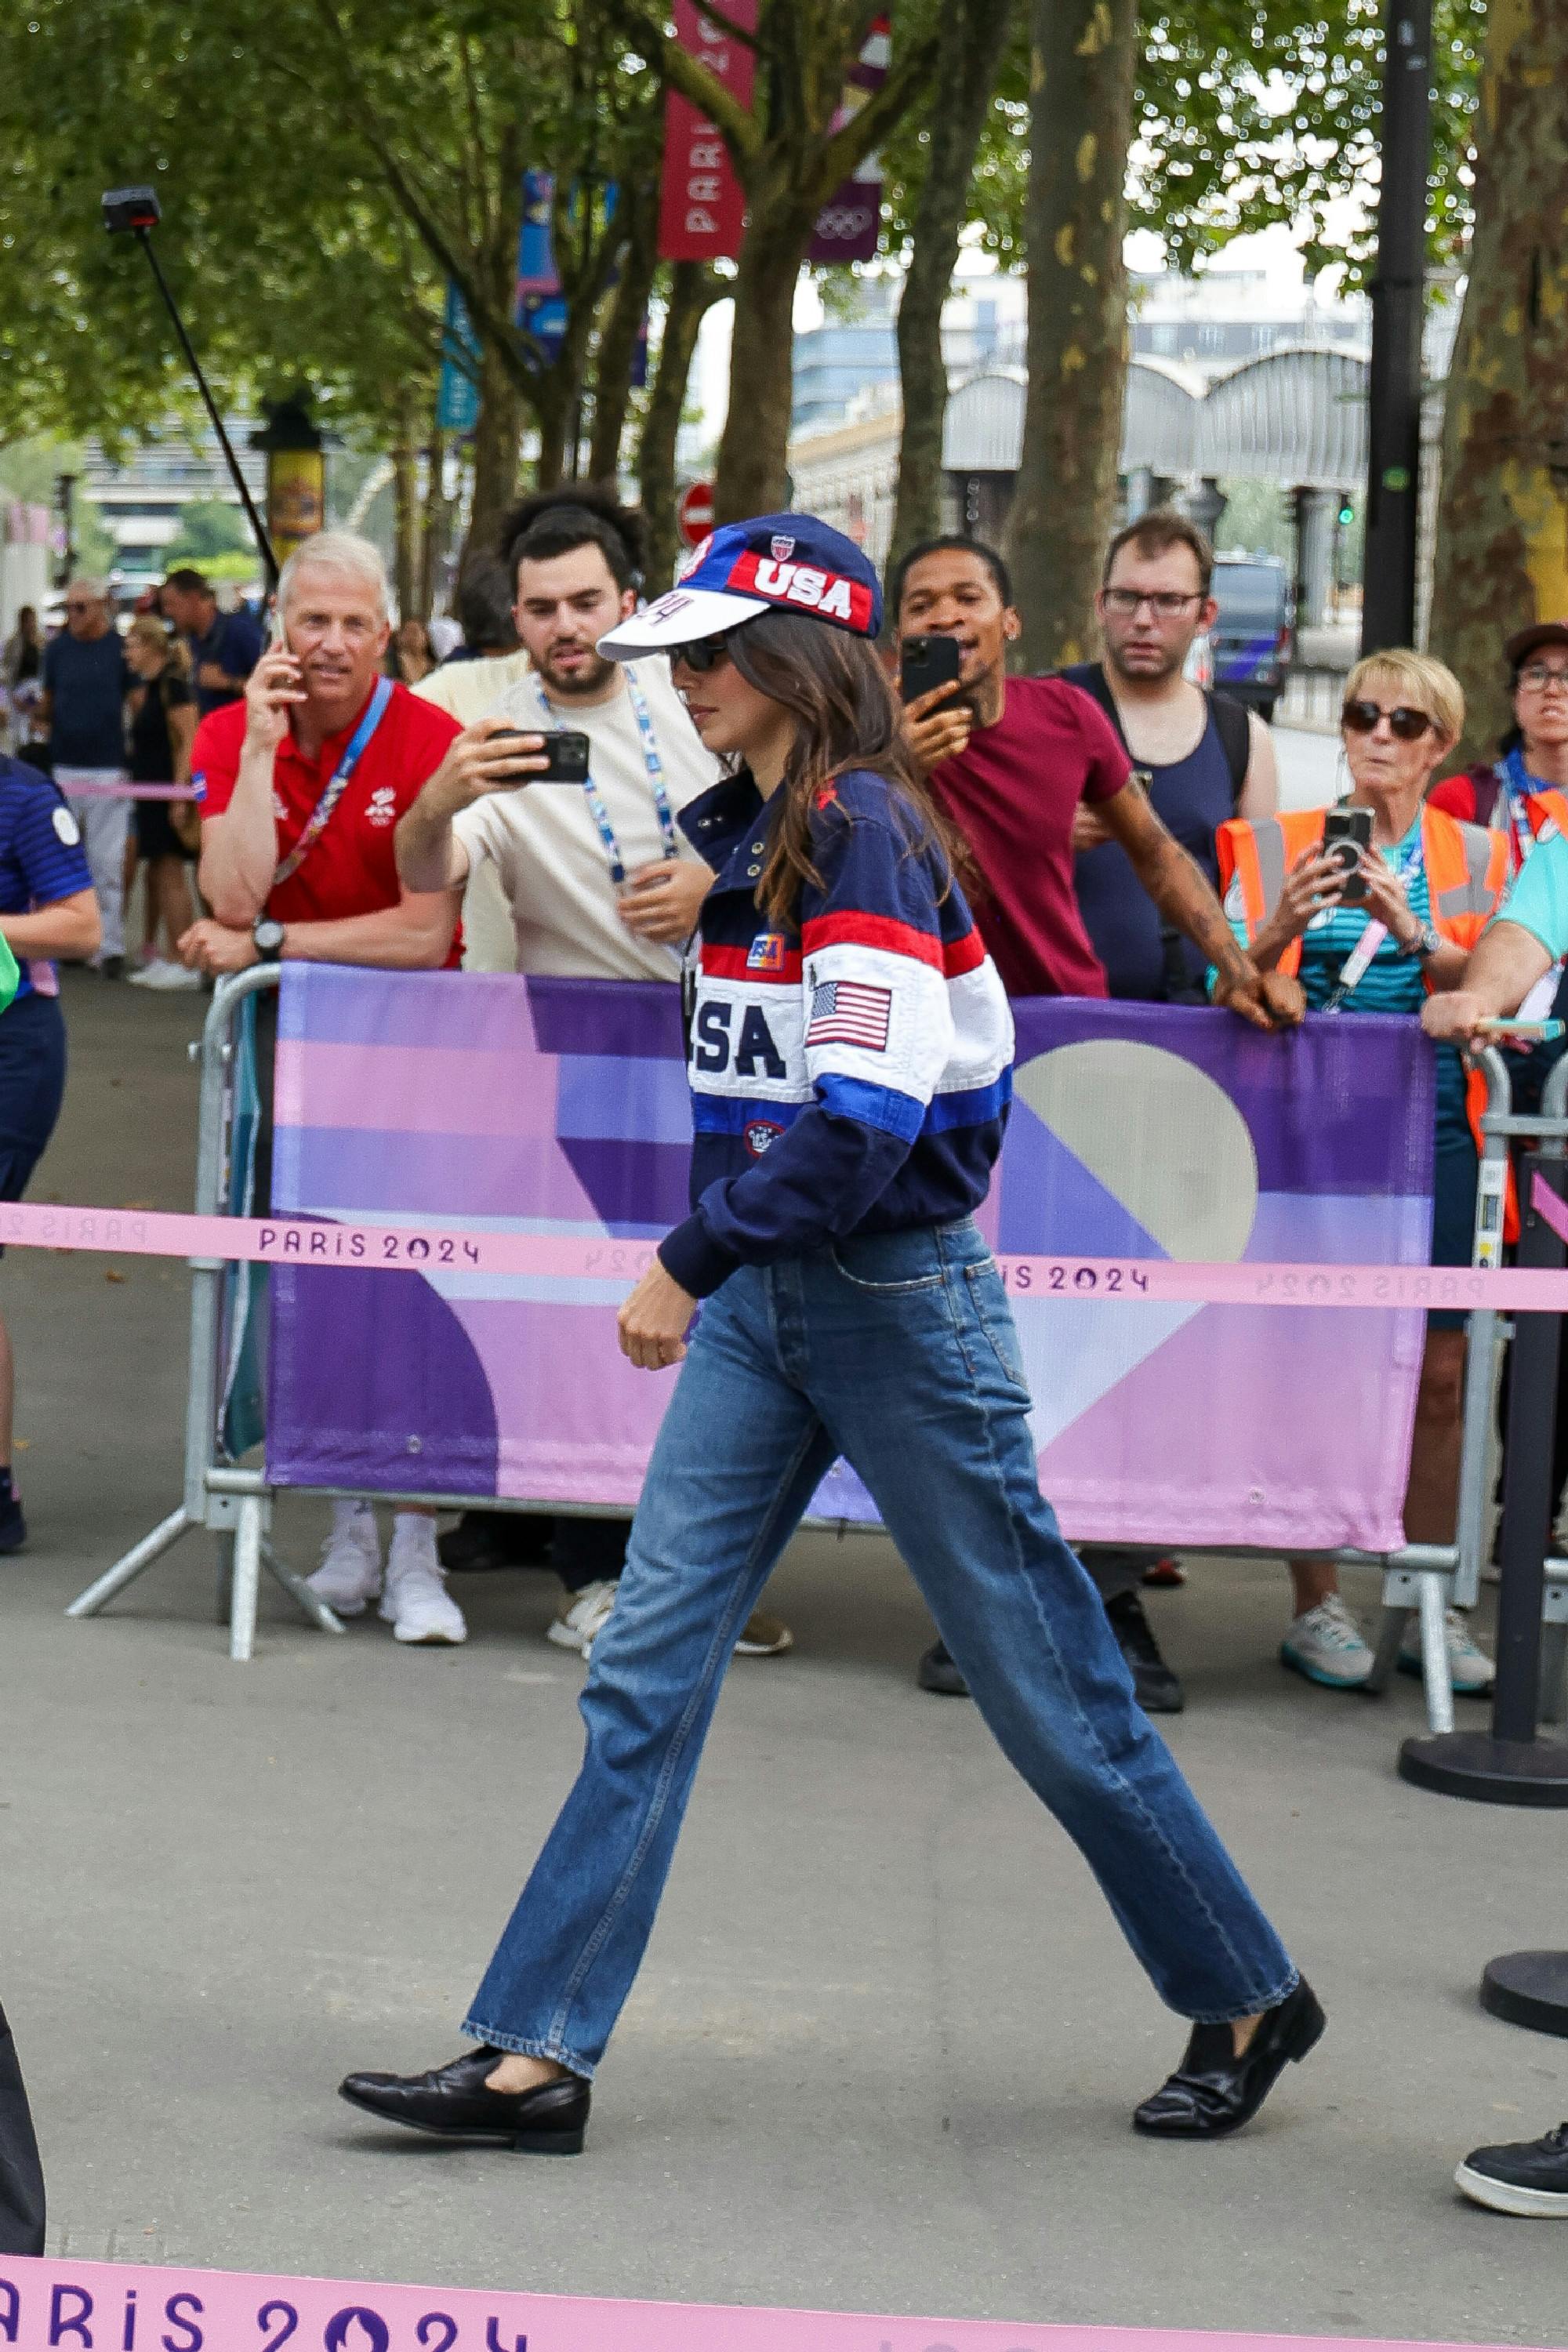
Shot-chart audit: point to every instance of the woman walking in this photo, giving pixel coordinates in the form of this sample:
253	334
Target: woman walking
850	1059
168	833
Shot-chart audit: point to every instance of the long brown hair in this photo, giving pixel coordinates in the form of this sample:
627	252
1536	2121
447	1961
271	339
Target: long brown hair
845	715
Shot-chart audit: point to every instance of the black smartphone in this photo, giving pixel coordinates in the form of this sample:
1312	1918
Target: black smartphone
1346	833
566	751
925	662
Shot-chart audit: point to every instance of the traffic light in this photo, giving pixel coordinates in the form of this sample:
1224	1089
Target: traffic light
1347	512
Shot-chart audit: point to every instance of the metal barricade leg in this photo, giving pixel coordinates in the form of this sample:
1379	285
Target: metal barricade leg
299	1591
129	1567
1390	1633
1435	1653
246	1580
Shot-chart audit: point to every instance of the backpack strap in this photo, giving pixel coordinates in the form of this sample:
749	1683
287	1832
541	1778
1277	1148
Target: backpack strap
1090	678
1233	725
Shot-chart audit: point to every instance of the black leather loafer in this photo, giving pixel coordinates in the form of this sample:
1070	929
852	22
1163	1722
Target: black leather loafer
453	2103
1214	2092
938	1671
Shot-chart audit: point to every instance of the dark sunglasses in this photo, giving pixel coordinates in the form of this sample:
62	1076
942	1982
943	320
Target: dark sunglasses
1409	726
702	654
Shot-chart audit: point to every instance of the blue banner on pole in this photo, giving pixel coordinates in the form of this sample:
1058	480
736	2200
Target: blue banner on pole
458	397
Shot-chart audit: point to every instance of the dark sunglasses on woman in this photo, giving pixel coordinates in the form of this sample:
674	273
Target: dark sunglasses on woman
703	654
1361	719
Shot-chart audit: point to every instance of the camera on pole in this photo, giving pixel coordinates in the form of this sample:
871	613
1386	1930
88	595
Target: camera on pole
136	212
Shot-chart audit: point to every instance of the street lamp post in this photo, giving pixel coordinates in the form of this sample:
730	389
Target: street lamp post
1398	306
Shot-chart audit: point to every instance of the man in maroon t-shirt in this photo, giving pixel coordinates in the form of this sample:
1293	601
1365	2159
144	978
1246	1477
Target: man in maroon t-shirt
1010	759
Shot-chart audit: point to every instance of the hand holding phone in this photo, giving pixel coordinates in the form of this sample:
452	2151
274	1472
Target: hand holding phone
1347	836
564	751
926	663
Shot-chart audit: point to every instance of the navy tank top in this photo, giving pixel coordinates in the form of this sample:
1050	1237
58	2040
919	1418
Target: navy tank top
1194	798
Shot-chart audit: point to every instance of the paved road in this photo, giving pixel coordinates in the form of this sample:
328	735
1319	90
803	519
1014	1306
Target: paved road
886	2045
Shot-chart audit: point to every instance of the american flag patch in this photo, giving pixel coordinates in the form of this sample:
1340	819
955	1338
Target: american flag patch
849	1013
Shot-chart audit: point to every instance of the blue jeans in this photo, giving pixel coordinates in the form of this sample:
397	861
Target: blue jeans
898	1351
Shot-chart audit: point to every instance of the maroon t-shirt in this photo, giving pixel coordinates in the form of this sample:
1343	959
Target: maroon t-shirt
1012	794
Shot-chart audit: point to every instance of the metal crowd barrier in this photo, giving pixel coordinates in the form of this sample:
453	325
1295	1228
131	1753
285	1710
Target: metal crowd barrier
236	1503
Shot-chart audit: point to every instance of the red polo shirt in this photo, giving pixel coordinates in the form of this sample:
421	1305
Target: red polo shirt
351	869
1012	794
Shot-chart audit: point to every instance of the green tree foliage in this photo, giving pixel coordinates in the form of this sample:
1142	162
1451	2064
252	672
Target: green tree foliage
208	528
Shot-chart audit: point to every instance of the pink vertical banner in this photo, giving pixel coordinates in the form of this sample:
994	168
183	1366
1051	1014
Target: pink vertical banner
849	224
702	207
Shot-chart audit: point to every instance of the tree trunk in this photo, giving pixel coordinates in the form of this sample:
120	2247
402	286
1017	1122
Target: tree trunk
555	409
973	32
617	344
1081	66
693	290
437	521
753	473
1502	522
406	517
498	435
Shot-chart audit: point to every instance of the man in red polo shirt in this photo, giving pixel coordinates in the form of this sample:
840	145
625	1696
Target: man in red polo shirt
300	788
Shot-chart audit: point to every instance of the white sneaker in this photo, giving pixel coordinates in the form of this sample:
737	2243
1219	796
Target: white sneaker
589	1613
1325	1644
1470	1670
164	975
349	1578
417	1603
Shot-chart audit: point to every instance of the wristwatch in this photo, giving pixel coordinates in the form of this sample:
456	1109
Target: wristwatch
1426	943
267	938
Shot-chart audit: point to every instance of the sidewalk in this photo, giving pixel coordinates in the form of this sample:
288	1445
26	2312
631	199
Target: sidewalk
885	2047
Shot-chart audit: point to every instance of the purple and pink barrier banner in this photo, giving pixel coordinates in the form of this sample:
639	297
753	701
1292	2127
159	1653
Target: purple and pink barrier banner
490	1105
123	2308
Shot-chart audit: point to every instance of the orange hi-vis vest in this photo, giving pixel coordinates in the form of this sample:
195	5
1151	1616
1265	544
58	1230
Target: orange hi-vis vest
1550	807
1466	874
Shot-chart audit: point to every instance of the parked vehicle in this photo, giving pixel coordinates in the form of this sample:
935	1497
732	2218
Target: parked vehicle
1252	636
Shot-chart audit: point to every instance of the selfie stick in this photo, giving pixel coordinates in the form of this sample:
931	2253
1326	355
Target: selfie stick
136	211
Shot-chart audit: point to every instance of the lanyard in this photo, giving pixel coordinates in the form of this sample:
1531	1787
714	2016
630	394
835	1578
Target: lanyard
320	815
1515	780
1353	970
651	761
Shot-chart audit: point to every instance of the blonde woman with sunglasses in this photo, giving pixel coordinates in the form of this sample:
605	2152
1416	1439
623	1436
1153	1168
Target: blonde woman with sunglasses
1377	931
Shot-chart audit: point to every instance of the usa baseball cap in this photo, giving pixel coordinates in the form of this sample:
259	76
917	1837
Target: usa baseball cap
774	563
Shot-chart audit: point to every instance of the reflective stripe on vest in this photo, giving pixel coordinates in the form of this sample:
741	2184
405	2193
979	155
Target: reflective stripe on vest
1550	807
1467	868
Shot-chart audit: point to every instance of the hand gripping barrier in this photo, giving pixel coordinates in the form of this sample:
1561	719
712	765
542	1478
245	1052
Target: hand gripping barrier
234	1501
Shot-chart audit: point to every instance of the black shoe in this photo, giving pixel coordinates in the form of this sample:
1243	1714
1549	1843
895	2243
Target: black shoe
112	968
1212	2091
1527	2177
13	1526
453	2103
495	1540
937	1672
1154	1685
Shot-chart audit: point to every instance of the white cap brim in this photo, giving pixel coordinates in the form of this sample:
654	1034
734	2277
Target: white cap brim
677	618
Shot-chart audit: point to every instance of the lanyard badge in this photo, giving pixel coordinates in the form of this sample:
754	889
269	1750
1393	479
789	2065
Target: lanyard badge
651	761
317	822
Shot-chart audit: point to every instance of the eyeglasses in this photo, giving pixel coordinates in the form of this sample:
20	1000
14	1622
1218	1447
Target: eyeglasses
84	604
1166	604
1540	680
1408	725
702	654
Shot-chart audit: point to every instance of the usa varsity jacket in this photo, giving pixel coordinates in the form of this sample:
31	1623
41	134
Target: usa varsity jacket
851	1078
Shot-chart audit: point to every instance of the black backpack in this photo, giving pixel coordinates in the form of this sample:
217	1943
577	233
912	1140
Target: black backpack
1231	719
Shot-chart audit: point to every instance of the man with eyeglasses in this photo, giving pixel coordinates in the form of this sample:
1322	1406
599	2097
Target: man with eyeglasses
1200	756
598	881
1017	763
86	679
